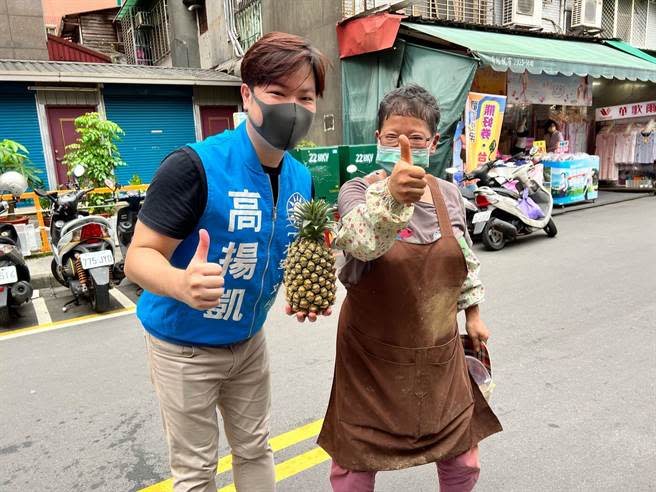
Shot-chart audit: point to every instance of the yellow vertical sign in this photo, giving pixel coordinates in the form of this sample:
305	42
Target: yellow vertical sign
483	120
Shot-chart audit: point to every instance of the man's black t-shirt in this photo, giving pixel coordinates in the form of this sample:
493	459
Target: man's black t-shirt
177	196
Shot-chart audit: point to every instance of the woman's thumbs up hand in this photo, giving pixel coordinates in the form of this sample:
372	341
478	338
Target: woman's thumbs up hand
407	182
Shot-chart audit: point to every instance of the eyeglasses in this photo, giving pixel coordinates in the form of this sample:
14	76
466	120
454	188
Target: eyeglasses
416	142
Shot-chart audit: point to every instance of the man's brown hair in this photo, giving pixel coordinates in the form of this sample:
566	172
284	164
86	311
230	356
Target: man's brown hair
277	55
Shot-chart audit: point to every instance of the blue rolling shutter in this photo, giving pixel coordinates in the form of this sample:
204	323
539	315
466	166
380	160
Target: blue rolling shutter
19	121
156	121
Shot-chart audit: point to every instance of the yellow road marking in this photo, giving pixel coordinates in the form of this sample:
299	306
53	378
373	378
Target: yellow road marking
292	466
55	325
277	443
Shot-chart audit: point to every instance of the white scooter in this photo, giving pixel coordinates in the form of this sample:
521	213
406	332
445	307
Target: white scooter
83	249
501	218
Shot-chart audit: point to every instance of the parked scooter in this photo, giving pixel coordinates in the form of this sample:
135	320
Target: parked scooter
127	214
83	249
506	214
15	287
468	199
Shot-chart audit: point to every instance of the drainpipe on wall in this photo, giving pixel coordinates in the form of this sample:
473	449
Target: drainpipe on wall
232	31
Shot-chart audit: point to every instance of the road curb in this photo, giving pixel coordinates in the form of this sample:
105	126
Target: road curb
629	198
43	281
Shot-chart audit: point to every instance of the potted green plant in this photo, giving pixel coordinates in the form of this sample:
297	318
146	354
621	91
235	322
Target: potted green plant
15	157
97	151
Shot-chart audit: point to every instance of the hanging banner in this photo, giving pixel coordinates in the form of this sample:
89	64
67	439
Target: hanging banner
527	88
483	120
635	110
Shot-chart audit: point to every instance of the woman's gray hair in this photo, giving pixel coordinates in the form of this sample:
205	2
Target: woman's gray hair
410	100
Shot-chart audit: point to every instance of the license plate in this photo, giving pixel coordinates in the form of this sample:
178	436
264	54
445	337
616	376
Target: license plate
97	259
482	217
8	275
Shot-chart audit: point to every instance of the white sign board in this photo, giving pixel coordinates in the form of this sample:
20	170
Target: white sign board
239	118
634	110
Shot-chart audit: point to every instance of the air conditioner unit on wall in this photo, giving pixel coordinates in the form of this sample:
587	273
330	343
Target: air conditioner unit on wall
141	20
522	13
587	14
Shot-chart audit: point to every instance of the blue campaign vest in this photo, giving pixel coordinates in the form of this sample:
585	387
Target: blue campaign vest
244	226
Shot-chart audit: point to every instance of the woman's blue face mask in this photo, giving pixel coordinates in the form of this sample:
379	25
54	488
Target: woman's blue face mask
387	157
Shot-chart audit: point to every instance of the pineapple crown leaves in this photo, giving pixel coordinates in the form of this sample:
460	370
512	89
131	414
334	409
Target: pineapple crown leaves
313	218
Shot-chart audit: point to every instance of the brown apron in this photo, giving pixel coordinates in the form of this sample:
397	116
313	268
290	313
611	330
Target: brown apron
402	395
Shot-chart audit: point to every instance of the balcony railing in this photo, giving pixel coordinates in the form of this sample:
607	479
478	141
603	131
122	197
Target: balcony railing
248	21
470	11
146	35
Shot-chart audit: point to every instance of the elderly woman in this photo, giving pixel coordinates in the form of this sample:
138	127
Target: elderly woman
402	395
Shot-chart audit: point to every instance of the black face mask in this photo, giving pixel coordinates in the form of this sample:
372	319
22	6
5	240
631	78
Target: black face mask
283	125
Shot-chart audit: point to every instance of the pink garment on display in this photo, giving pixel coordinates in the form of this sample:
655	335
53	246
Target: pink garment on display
625	145
605	149
577	134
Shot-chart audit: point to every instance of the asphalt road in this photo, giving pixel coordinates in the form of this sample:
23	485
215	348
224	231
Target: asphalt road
573	345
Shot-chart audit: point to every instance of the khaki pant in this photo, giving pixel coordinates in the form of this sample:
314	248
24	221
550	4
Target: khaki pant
191	384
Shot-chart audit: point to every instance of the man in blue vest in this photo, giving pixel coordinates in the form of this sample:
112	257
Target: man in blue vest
208	250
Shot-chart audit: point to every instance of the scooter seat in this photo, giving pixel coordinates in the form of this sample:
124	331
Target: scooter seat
7	240
507	192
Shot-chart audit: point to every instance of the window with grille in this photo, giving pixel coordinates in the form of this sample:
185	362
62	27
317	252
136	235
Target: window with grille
608	17
146	35
248	21
650	39
633	21
639	27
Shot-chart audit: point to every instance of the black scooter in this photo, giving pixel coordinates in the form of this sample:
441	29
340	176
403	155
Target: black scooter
15	287
126	217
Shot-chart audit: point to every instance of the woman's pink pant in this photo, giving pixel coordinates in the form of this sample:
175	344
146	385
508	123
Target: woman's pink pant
458	474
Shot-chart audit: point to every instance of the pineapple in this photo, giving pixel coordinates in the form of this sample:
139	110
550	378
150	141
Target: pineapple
310	277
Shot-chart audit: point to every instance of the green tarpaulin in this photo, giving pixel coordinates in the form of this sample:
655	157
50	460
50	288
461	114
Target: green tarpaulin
627	48
367	78
543	55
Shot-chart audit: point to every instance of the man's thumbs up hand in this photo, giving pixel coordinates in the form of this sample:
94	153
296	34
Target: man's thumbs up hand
407	182
201	284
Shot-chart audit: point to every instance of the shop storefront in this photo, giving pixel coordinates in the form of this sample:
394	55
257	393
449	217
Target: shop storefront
542	78
626	144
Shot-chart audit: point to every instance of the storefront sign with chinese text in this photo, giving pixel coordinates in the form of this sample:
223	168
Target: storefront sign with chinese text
527	88
634	110
483	119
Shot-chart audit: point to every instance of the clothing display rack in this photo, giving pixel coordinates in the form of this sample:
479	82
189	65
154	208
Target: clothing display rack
627	152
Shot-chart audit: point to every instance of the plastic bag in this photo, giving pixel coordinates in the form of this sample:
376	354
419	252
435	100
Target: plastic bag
529	207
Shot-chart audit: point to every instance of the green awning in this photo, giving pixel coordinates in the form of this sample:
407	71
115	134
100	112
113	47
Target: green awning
632	50
543	55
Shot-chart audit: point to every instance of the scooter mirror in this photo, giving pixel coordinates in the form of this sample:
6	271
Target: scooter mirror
110	184
78	171
352	169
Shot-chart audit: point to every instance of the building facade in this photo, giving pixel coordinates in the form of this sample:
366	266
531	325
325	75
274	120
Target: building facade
159	109
159	32
227	28
22	33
